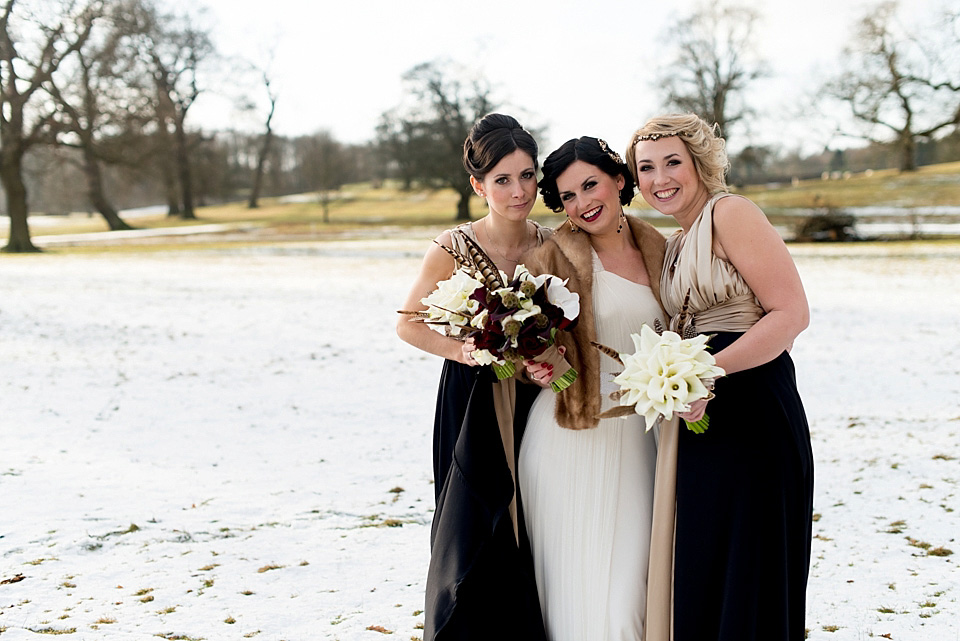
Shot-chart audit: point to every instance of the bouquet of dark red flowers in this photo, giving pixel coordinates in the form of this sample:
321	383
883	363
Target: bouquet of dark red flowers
508	321
520	321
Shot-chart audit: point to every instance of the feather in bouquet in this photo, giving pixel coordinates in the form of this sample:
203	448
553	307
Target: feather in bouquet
509	321
664	375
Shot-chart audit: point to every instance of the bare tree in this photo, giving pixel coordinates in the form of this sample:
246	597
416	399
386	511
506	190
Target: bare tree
98	97
426	136
175	48
714	64
323	165
26	66
266	142
899	85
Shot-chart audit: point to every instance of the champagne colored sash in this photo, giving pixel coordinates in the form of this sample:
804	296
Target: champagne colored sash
736	314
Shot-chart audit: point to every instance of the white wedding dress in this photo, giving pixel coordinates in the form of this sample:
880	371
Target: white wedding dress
588	494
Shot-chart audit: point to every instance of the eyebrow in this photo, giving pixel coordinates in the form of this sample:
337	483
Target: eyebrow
585	181
668	156
522	171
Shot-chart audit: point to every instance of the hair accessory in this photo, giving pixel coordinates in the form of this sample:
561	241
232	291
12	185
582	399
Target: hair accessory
606	149
658	136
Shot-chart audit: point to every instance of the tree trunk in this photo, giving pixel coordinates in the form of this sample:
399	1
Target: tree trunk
170	186
325	205
97	195
262	158
463	207
12	179
258	172
183	170
908	153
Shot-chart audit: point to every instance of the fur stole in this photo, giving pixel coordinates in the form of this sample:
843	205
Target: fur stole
568	254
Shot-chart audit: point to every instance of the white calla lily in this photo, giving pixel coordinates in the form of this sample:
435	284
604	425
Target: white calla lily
665	373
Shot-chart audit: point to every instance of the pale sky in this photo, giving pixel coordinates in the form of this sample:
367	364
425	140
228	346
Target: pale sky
572	67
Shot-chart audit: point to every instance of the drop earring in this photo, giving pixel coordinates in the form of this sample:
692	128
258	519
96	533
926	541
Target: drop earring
622	218
573	227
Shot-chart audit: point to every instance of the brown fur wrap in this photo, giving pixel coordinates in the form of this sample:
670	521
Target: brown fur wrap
567	254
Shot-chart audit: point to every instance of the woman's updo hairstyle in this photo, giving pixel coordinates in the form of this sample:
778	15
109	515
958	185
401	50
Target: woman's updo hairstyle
590	150
704	143
491	139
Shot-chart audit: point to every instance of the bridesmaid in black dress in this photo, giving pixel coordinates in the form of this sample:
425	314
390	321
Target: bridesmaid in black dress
745	486
480	582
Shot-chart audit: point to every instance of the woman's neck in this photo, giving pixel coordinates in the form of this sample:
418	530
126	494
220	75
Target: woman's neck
508	234
613	242
504	240
686	218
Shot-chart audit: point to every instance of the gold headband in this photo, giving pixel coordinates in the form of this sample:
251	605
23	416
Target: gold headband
606	149
658	136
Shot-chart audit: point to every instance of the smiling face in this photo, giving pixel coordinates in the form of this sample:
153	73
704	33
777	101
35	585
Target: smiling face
590	197
668	179
510	187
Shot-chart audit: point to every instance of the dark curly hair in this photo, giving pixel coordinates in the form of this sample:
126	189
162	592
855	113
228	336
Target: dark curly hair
493	137
590	150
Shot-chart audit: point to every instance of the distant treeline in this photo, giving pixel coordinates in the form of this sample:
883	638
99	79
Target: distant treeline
226	161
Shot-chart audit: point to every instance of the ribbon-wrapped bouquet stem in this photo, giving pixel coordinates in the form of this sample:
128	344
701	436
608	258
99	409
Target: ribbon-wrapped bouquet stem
508	320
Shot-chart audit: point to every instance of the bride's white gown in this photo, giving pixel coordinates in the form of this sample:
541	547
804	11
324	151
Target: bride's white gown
588	494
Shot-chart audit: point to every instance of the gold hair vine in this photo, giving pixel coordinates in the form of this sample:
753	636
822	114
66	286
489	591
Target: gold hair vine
606	149
658	136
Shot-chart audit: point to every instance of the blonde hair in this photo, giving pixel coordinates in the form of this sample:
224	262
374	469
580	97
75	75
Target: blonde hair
704	143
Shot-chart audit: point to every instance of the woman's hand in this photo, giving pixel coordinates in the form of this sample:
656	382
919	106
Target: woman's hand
697	410
466	353
541	372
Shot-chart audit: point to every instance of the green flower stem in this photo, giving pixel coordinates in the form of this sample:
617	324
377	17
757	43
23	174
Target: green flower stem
698	427
504	371
562	383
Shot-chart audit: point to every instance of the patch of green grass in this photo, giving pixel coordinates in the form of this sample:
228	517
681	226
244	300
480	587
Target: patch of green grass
886	610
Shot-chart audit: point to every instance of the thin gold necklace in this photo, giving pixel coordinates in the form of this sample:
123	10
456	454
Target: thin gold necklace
493	244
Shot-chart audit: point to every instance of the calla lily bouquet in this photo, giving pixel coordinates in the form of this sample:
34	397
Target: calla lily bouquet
509	321
664	375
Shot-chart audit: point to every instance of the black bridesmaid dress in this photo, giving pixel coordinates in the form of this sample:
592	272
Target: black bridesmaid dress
744	504
480	583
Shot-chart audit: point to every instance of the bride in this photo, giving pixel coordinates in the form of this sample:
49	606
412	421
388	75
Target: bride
587	483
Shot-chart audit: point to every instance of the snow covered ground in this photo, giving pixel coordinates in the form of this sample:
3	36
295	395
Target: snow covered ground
234	444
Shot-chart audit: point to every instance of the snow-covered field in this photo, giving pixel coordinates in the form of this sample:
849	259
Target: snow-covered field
234	444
